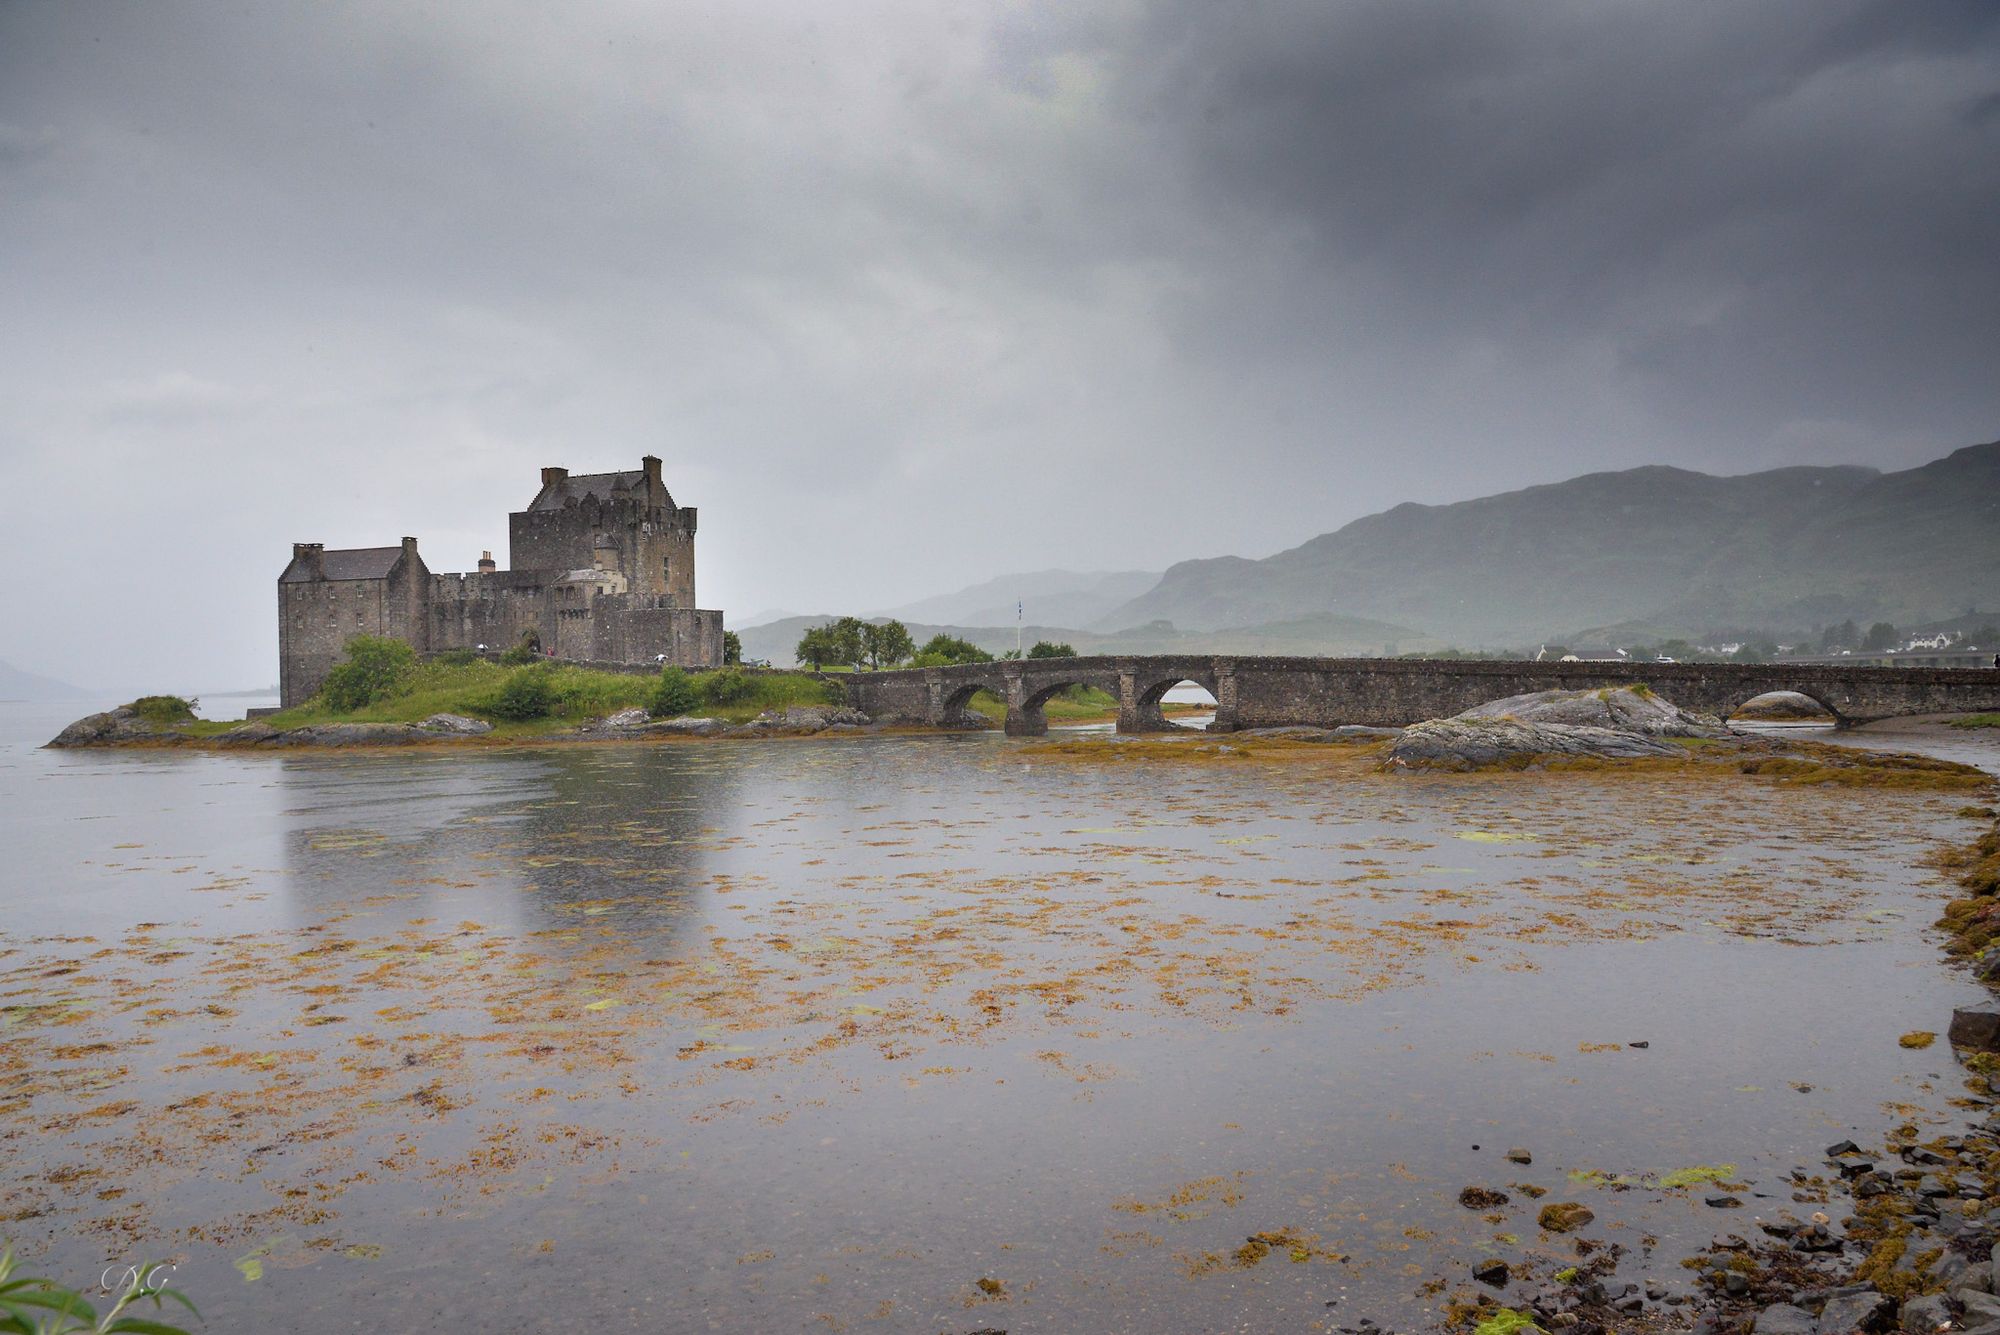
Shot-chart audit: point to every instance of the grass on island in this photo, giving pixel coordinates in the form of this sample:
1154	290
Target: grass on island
575	694
1977	721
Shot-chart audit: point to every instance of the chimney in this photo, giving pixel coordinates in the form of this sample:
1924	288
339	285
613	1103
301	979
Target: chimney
313	555
551	476
650	464
486	565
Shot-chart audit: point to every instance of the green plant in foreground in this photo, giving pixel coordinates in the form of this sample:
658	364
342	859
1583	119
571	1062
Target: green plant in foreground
30	1306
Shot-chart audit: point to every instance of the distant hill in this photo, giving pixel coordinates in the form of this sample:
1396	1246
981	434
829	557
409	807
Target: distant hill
1320	635
1049	597
1677	551
16	684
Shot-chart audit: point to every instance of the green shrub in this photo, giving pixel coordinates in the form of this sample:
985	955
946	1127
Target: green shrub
673	695
728	686
163	711
376	667
457	658
732	647
528	693
1049	649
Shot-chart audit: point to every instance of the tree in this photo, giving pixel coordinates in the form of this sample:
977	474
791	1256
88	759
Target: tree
732	647
1880	636
950	649
815	647
375	668
887	644
848	639
1045	649
1846	635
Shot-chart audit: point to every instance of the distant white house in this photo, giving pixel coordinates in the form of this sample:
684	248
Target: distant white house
1944	639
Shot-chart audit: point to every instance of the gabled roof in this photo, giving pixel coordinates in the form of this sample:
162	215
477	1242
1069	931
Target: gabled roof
350	563
579	485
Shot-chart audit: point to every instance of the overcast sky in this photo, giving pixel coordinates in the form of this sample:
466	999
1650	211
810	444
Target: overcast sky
910	296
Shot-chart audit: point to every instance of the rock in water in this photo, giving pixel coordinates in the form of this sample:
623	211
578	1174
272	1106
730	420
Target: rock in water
1976	1027
114	725
1856	1311
1623	709
1565	1217
1784	1319
458	725
1621	723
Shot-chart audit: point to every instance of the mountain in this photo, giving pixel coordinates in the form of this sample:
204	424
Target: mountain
16	684
1323	634
1051	597
1675	550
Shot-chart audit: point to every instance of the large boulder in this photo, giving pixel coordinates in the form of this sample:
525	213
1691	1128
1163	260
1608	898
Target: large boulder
355	734
692	727
1622	709
1624	723
111	727
255	732
458	725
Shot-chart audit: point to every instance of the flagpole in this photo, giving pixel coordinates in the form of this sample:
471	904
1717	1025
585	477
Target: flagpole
1017	628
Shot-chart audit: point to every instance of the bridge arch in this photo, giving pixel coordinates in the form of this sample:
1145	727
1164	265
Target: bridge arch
1149	699
1031	691
1817	697
953	706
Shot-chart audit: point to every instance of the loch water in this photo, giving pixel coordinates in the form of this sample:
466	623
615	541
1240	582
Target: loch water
925	1033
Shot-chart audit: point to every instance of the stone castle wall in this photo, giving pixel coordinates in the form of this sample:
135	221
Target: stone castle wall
597	577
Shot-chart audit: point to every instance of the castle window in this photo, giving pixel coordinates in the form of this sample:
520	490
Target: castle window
667	569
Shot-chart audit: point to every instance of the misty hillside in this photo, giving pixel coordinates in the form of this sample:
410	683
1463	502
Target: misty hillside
1793	547
16	684
1049	598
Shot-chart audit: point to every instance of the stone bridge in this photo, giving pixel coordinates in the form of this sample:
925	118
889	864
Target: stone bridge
1391	692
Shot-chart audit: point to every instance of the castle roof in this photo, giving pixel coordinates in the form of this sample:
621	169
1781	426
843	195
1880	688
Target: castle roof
604	486
353	563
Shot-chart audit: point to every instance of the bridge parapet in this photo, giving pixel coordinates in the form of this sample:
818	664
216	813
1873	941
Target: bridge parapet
1253	692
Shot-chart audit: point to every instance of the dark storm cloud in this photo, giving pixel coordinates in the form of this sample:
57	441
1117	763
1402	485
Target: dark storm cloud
1754	210
910	295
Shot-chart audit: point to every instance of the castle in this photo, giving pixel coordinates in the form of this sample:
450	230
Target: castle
602	569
